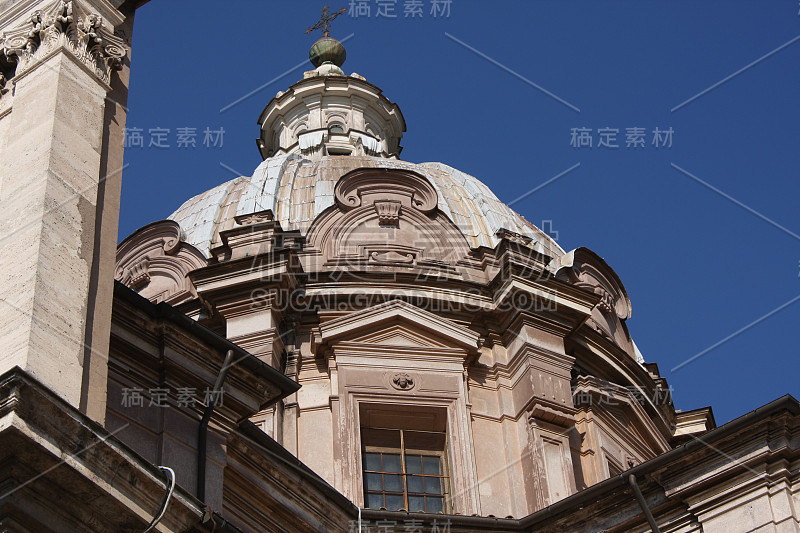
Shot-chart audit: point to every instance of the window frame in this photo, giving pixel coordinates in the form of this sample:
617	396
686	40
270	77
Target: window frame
404	451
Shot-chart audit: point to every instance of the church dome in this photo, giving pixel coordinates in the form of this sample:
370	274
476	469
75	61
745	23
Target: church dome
297	190
407	300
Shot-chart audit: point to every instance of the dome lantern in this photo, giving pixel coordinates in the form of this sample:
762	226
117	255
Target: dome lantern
328	113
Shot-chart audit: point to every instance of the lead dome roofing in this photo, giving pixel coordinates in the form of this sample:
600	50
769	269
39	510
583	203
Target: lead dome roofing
297	190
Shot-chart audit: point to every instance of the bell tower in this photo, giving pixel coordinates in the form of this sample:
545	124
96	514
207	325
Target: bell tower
63	85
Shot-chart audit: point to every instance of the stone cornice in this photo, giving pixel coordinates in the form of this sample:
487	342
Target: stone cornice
273	269
606	355
452	299
543	410
124	489
591	394
552	296
199	352
514	368
776	446
552	323
388	356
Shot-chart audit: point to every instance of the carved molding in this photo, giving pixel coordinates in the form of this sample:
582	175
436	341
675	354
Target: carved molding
403	381
355	323
138	274
67	26
543	410
255	218
391	256
511	236
388	212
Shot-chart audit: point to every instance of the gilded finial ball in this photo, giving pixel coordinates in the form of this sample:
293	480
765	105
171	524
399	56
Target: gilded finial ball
327	50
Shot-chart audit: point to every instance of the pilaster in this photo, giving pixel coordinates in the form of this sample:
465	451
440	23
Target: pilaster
57	206
543	391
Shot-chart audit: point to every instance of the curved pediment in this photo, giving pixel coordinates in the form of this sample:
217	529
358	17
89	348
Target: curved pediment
155	262
588	271
387	218
584	268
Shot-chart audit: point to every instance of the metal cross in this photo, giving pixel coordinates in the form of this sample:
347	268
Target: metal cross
325	22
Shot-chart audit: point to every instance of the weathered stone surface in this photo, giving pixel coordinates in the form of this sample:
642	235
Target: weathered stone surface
57	142
48	199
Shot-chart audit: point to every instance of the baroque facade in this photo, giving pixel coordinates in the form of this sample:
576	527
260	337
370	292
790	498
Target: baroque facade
393	344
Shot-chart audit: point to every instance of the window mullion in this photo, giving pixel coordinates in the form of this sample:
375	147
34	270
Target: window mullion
403	467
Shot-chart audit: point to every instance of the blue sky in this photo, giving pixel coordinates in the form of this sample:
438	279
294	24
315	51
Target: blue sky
705	233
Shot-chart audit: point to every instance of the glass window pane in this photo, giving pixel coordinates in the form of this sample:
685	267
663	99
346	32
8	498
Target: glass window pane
373	482
382	438
431	465
394	502
374	501
393	483
433	485
413	464
391	462
435	505
414	483
372	461
417	440
416	503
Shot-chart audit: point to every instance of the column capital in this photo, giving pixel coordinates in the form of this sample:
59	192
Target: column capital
82	28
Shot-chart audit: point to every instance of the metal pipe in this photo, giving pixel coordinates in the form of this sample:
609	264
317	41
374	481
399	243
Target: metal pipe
170	487
219	524
638	493
202	437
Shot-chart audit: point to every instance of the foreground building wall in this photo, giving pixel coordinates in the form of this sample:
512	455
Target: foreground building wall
743	476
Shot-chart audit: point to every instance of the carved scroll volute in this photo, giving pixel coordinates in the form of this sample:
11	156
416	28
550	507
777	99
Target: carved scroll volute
172	244
367	186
